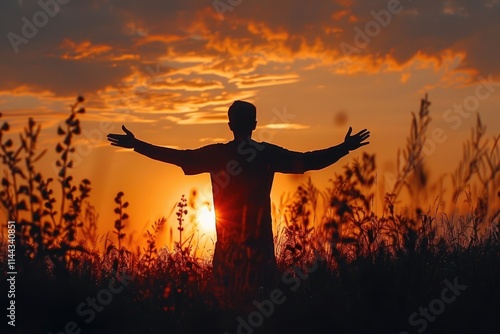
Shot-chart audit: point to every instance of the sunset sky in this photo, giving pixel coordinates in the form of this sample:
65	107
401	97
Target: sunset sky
169	70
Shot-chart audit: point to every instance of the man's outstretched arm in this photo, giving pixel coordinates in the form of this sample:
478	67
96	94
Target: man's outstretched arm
320	159
163	154
297	162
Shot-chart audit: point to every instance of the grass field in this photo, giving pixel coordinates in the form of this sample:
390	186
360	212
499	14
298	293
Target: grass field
415	267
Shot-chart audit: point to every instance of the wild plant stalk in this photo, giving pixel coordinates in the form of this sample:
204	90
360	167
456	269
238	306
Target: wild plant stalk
299	214
481	161
413	155
10	158
122	216
29	144
66	148
33	225
71	215
150	252
181	212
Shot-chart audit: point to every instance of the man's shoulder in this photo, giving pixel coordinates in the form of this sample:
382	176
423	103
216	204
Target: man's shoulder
238	146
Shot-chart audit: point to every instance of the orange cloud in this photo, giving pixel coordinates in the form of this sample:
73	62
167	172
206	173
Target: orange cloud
254	81
196	84
85	49
282	126
166	39
338	15
212	140
199	118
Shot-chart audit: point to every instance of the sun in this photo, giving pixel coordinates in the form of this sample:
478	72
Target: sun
206	218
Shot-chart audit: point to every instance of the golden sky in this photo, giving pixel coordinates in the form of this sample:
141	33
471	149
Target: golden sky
169	70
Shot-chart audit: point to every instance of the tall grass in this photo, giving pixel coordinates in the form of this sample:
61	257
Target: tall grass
372	270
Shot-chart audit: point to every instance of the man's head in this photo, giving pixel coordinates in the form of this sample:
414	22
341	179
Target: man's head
242	118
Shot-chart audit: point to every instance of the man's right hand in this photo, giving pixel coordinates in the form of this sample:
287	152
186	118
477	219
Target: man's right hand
127	140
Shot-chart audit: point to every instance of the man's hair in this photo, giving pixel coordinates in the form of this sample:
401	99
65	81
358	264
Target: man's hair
242	116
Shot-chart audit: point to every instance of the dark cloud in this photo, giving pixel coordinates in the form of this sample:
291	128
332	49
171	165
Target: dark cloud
132	35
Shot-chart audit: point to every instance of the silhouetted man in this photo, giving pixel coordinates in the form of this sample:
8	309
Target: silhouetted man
242	172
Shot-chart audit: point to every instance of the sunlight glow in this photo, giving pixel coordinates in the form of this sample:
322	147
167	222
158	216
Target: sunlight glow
206	218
